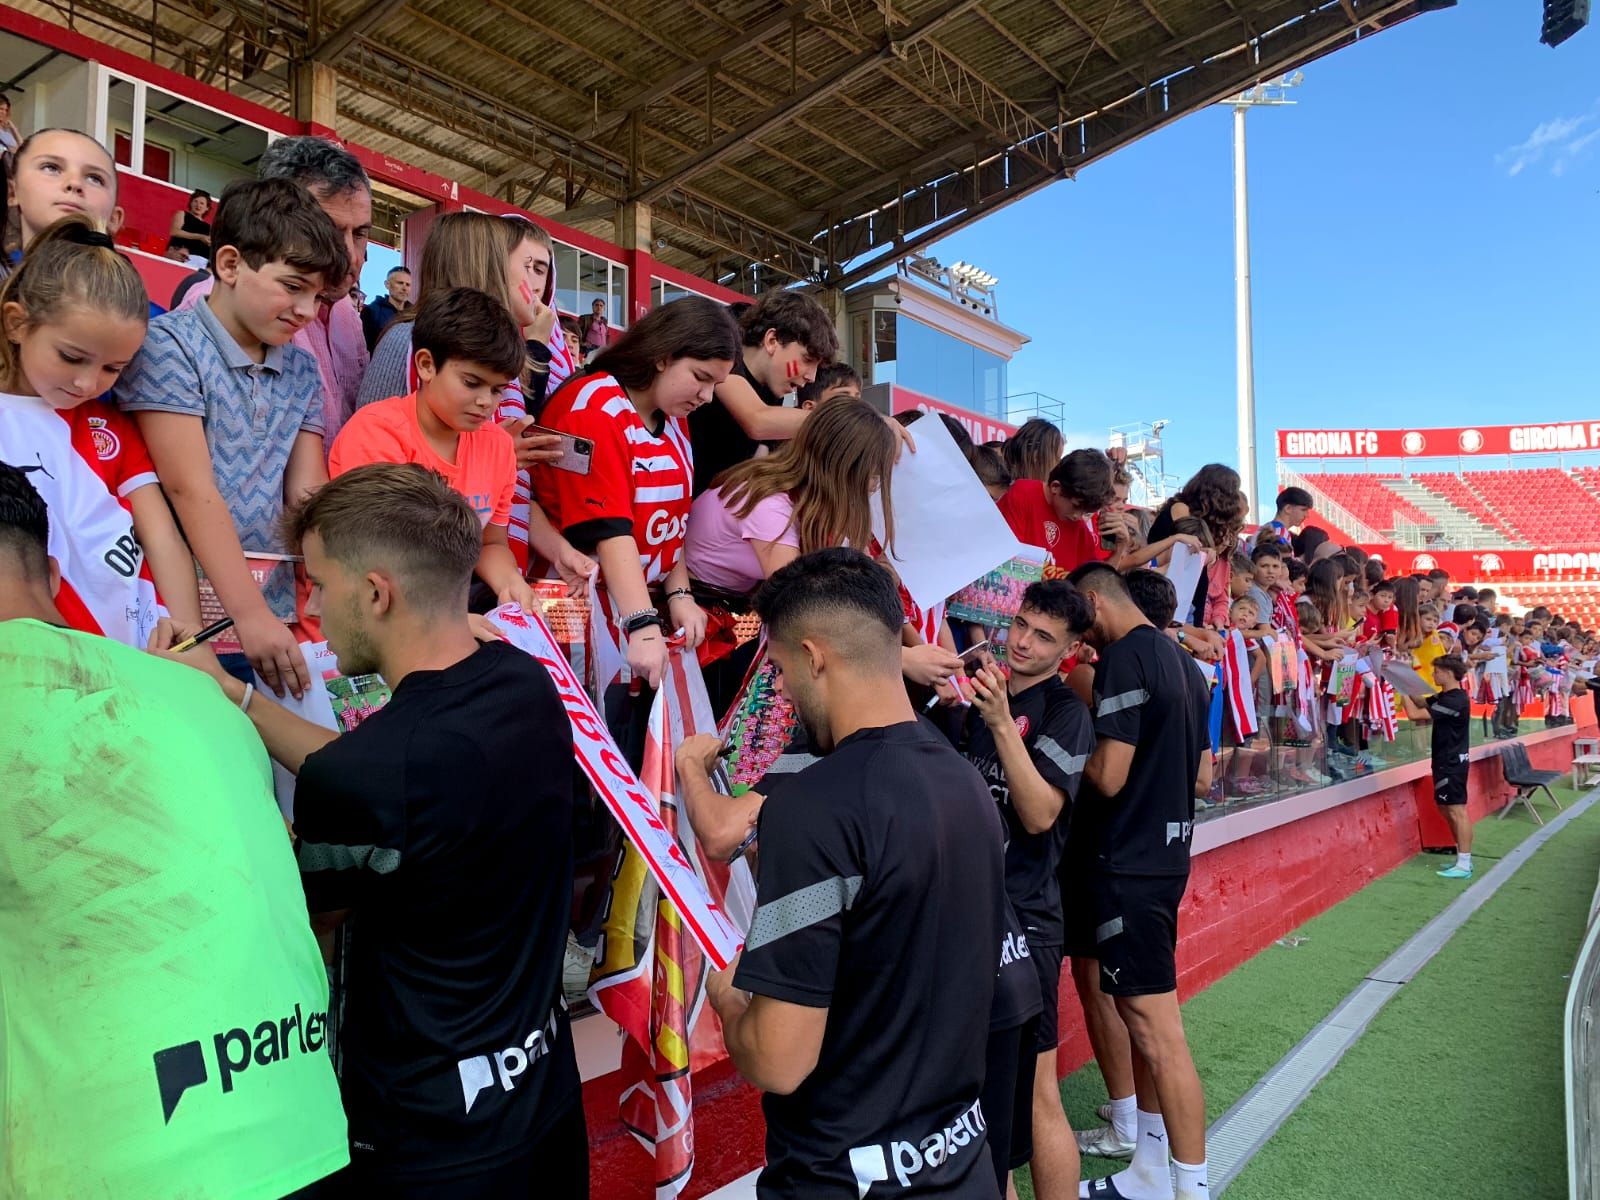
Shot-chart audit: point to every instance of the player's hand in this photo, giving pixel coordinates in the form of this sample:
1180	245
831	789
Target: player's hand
690	618
698	754
989	697
519	593
929	664
647	655
274	653
948	691
168	633
483	629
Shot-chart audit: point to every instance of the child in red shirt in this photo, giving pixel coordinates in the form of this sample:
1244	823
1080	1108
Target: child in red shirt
1058	516
466	349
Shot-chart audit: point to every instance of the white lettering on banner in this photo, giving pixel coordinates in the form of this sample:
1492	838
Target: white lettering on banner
626	798
1318	443
1573	436
979	430
1566	562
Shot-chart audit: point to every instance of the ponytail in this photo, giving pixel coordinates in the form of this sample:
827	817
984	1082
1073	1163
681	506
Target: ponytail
70	264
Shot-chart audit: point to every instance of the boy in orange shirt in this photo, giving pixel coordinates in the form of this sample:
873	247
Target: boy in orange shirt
466	348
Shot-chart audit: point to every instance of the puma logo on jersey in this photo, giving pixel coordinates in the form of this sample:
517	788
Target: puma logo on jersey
1109	973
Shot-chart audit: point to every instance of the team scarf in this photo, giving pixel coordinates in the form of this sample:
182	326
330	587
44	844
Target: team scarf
1379	697
650	974
1236	687
1303	715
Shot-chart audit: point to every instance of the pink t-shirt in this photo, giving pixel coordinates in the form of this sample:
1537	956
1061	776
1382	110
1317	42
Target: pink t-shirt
718	550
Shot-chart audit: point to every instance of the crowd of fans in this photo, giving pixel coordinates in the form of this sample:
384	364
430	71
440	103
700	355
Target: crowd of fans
372	480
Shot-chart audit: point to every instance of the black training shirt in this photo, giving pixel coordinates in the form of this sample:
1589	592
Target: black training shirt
880	899
445	821
1452	720
716	438
1147	694
1017	997
1058	735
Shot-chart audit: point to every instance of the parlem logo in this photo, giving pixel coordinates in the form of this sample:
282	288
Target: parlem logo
179	1068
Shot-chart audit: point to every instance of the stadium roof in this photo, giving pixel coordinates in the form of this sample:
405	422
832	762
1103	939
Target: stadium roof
821	138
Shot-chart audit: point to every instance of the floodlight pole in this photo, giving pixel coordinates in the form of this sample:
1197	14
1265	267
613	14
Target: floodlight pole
1244	357
1244	348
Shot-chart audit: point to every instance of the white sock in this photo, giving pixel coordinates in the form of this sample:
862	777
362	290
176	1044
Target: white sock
1148	1177
1123	1120
1464	861
1192	1181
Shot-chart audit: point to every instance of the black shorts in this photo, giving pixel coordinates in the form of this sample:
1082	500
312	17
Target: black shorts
1007	1097
1136	933
1449	788
1077	913
1047	962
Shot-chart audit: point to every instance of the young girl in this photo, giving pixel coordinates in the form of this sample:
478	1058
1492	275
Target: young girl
74	313
757	517
632	508
59	173
509	259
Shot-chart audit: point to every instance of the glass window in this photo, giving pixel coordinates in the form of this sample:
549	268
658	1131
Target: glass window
885	347
594	282
567	280
208	149
940	365
618	312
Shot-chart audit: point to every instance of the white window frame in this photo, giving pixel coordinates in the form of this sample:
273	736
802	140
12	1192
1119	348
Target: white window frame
141	93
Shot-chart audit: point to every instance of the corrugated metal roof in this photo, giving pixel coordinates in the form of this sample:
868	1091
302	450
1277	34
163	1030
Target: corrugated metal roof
759	130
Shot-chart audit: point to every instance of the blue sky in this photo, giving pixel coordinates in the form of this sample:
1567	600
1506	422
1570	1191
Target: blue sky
1424	249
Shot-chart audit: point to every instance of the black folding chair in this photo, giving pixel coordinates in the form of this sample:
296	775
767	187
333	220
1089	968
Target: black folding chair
1526	779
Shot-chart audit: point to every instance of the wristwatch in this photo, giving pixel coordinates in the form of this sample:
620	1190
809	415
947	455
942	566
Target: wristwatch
643	619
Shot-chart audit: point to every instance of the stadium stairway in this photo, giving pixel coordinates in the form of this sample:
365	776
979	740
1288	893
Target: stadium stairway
1460	528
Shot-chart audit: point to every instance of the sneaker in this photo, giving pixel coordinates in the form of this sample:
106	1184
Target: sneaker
1104	1142
1455	873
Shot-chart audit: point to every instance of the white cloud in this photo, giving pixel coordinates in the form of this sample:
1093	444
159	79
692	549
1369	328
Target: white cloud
1559	141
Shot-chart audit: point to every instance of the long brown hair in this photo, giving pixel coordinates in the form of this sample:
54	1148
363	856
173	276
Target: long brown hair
469	249
693	327
1325	589
829	470
1213	494
70	264
1409	634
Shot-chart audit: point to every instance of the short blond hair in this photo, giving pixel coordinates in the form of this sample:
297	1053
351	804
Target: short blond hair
402	517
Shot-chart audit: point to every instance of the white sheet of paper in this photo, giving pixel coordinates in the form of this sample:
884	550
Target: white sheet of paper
1184	568
947	531
314	706
1405	680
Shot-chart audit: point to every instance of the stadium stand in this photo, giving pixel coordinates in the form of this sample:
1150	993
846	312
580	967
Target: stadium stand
1457	492
1368	499
1544	507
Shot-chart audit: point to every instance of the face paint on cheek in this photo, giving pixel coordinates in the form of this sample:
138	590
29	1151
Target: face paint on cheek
791	369
527	293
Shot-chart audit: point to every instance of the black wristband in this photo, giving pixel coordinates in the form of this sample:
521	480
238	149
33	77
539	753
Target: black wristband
642	620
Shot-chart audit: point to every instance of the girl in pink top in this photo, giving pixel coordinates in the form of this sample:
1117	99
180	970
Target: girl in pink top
759	516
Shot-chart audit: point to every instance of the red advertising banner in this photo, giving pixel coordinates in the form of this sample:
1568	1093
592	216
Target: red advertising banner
979	428
1465	566
1439	443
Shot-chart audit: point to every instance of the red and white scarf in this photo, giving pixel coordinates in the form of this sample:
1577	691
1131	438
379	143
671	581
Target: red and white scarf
1236	684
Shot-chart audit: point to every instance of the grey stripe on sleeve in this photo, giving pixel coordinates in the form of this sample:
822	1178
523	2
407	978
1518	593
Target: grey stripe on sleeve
802	909
1070	764
1122	700
323	856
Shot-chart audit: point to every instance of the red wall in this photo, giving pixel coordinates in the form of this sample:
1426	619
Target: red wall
1242	897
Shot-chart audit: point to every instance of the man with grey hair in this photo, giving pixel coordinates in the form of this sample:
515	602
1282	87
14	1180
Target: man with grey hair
338	183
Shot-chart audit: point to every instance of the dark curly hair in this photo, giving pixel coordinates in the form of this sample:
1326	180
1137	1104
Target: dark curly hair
1213	494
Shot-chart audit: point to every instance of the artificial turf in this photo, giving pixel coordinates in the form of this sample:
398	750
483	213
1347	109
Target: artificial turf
1456	1089
1244	1023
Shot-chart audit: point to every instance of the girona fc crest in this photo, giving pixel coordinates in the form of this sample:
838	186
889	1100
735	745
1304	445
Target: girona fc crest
1022	726
1052	533
106	443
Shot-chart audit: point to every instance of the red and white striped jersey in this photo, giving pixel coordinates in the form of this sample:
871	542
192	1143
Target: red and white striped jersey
86	462
638	481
